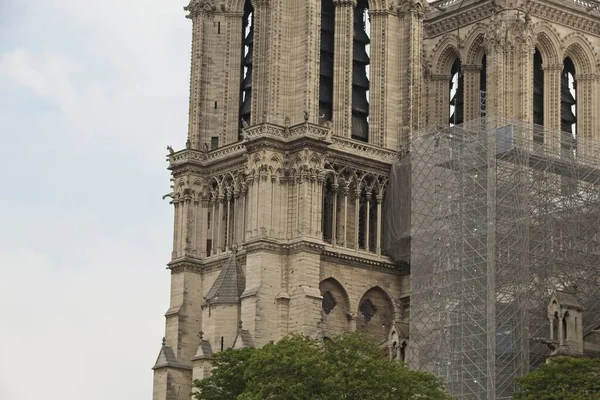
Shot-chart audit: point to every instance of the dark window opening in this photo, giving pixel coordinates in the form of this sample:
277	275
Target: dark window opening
367	230
538	97
327	223
403	352
568	112
368	310
214	143
483	88
247	56
360	72
328	302
362	219
208	247
326	61
568	120
456	94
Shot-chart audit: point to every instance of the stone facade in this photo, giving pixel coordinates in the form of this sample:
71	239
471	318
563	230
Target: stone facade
277	190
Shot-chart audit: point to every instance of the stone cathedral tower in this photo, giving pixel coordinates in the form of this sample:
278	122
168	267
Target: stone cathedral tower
297	110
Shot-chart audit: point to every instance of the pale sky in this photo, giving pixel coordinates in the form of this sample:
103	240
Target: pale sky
91	93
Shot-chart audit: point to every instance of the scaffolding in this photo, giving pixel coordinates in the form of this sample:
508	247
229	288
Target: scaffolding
498	221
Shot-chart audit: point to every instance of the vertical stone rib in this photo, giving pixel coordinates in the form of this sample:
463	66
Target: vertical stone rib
471	91
260	62
377	98
312	57
342	66
233	62
584	84
552	103
196	74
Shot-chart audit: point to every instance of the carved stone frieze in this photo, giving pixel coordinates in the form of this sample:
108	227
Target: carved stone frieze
364	261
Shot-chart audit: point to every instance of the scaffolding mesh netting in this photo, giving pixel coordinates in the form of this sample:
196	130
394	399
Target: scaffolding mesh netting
495	223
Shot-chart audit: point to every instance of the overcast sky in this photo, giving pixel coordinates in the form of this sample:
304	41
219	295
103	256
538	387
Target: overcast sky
91	93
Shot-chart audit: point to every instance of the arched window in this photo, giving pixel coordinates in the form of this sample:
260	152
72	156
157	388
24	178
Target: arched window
564	325
456	94
538	97
568	108
328	204
483	87
247	55
326	64
360	72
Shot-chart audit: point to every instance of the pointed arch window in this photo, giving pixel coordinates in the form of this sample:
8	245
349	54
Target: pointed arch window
568	107
483	87
326	60
247	58
538	97
360	71
456	94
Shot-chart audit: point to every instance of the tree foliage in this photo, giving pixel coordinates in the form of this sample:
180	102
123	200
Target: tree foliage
297	368
563	378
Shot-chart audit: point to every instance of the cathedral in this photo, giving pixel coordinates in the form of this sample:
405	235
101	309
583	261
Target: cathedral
298	111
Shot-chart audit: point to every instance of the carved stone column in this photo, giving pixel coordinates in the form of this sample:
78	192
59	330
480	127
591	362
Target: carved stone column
585	112
412	12
377	73
524	89
439	100
342	67
198	15
233	70
260	61
471	91
552	104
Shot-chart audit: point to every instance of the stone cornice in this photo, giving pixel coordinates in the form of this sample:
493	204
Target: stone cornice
364	150
363	260
575	17
452	18
174	365
198	266
203	158
366	165
287	133
446	16
284	247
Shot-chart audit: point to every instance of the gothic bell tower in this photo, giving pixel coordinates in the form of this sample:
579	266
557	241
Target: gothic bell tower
297	110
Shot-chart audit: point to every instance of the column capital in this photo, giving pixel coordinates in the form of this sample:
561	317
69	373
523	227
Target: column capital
260	3
197	7
552	67
340	3
471	67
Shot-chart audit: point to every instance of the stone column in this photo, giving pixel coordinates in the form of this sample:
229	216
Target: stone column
377	74
356	217
552	105
199	17
471	91
334	217
260	62
524	88
585	112
342	67
213	227
439	100
379	201
176	206
232	76
219	227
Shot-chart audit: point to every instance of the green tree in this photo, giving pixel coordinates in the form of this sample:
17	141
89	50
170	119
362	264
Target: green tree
563	378
297	368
